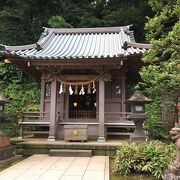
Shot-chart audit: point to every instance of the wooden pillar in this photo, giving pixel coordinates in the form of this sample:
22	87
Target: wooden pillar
62	107
52	126
42	94
123	93
101	137
66	115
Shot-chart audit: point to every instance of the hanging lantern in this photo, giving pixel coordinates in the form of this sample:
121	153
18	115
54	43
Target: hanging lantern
70	90
76	90
61	89
89	89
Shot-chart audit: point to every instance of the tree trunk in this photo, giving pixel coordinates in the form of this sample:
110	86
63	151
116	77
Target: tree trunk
169	113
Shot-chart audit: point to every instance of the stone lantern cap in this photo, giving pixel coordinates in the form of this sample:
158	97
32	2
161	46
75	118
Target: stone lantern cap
138	96
3	99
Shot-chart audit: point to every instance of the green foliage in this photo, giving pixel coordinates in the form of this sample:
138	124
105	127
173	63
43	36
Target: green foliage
58	22
10	73
10	126
161	75
154	124
11	22
11	129
23	97
147	157
23	20
22	92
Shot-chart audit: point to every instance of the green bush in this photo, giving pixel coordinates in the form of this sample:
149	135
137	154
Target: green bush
154	124
147	158
10	125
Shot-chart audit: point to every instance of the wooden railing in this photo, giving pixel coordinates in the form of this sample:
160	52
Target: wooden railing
35	122
33	116
118	124
117	116
39	121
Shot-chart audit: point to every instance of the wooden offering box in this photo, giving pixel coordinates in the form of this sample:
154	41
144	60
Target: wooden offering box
75	133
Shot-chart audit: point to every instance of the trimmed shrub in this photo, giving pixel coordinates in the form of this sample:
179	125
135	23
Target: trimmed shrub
147	158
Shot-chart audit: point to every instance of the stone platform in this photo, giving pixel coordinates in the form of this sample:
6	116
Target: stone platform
44	167
70	153
31	146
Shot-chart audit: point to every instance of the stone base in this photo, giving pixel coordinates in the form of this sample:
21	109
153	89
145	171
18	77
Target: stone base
70	153
101	139
173	170
137	138
4	163
6	152
169	175
51	138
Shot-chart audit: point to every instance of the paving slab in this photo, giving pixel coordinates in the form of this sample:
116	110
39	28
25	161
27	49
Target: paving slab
44	167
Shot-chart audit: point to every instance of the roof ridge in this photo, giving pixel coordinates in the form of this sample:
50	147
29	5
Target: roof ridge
137	45
44	38
116	29
17	48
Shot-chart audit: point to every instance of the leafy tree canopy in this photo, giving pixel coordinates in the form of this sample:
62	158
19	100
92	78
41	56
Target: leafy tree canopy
58	22
162	73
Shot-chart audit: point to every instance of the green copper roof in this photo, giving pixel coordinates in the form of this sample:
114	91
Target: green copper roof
80	43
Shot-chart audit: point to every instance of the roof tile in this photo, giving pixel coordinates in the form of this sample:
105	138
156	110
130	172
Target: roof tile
80	43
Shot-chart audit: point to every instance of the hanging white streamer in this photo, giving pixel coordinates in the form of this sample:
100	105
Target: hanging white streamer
82	91
61	89
94	87
70	90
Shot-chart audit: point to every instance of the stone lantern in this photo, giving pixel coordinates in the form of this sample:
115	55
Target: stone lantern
137	103
7	155
3	100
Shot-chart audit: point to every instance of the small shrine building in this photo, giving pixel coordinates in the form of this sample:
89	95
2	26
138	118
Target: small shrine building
84	73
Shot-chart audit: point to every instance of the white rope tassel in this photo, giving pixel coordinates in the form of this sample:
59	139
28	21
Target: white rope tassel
94	87
76	90
89	89
70	90
82	91
61	89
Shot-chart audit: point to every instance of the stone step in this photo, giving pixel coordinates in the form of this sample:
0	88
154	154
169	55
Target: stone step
70	153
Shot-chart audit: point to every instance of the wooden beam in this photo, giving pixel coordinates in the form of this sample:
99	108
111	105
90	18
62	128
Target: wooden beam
73	77
29	70
77	62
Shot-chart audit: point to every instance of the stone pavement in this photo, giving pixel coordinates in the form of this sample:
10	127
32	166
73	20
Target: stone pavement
44	167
